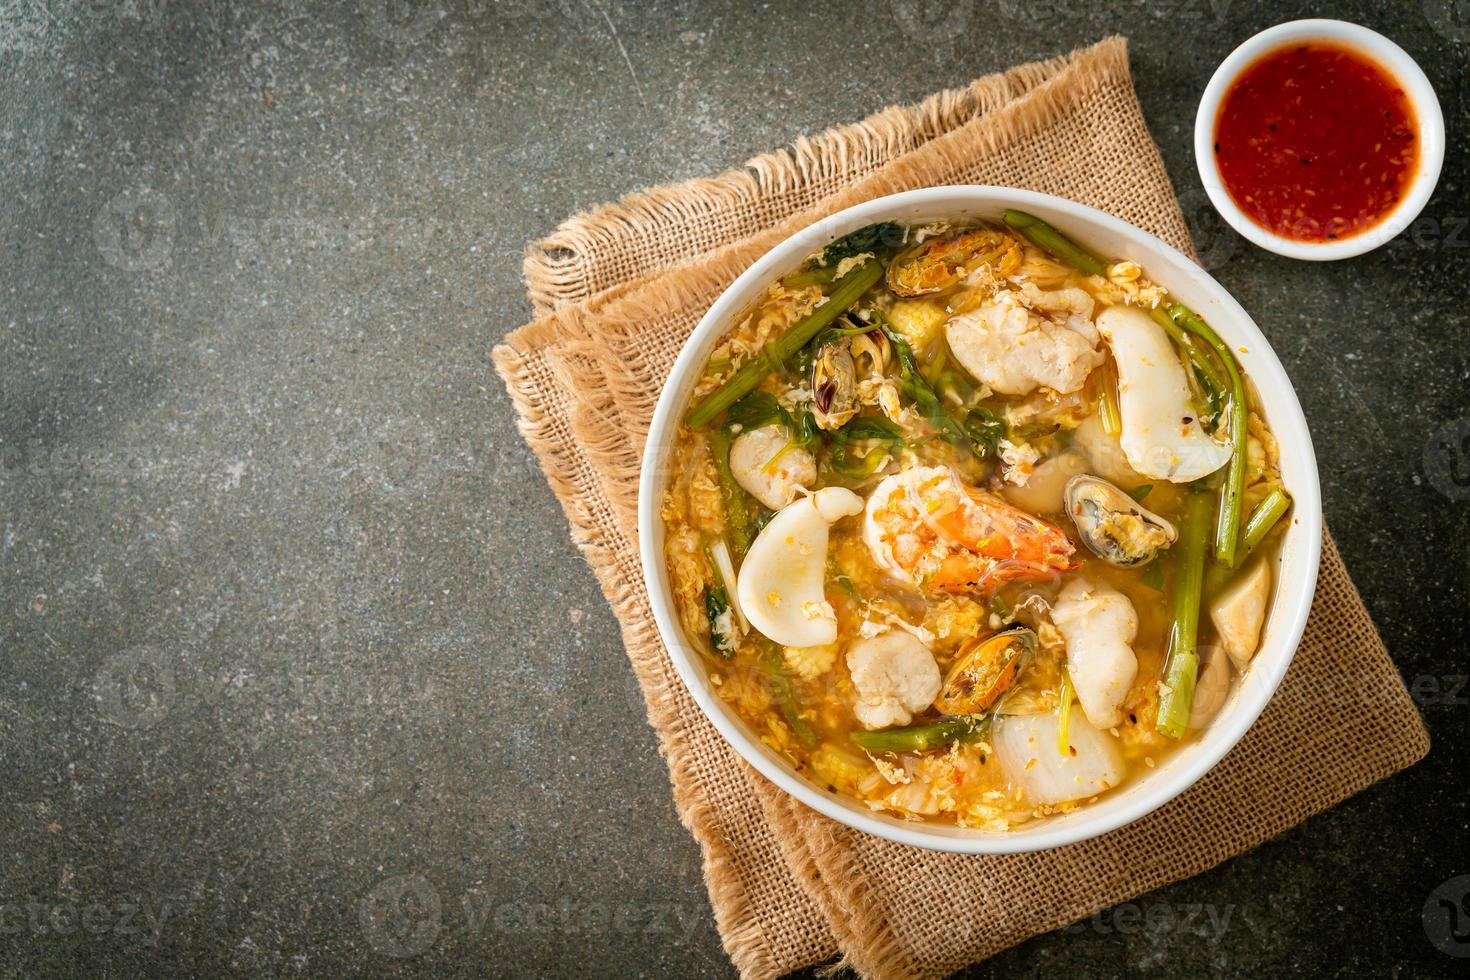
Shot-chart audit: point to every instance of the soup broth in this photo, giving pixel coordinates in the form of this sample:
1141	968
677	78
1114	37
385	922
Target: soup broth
970	524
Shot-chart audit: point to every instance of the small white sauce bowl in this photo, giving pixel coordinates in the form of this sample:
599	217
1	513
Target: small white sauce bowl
1296	573
1392	59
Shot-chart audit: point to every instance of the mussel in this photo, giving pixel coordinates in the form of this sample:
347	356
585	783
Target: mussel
834	385
940	263
983	670
871	354
1114	526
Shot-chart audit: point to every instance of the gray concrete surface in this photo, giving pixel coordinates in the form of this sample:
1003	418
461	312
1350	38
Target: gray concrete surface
301	673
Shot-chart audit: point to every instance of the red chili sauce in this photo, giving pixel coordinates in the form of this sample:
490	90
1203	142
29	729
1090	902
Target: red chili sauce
1316	142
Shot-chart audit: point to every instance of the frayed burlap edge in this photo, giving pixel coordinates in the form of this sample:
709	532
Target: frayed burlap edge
1048	87
740	931
556	268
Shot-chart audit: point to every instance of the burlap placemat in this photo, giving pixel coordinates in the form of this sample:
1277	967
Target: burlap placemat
619	289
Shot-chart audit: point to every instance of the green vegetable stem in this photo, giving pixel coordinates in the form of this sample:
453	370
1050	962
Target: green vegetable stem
1227	524
920	738
1181	663
1209	374
745	380
1265	517
1048	239
783	692
978	428
739	508
880	239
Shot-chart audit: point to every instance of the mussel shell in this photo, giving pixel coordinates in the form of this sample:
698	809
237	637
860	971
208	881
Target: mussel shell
938	264
920	271
834	386
984	670
1114	526
871	354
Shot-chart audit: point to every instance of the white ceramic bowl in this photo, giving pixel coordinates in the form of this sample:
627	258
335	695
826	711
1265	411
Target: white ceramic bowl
1296	580
1378	48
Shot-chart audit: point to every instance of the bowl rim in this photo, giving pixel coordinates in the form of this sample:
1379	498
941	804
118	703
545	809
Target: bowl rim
1381	50
1290	608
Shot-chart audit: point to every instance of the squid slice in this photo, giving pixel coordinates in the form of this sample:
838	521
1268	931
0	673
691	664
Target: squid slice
1162	437
1026	746
1099	625
1212	687
781	582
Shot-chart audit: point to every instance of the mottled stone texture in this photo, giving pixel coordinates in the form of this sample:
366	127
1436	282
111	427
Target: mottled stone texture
301	673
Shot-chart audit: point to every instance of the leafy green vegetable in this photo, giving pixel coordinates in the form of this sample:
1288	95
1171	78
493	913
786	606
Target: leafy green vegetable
874	427
849	464
739	507
804	431
883	236
985	431
844	458
756	411
717	608
1141	491
801	432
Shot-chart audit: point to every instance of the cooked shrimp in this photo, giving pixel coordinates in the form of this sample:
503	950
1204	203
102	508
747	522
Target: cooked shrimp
1022	340
927	528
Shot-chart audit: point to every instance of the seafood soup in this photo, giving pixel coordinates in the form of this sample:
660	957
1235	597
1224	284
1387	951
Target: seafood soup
971	524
